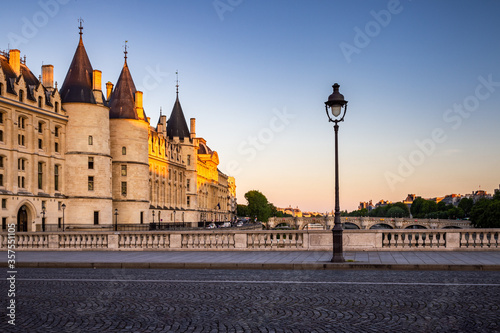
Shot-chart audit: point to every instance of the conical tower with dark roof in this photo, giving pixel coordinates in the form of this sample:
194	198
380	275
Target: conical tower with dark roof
88	160
77	86
176	124
124	99
129	150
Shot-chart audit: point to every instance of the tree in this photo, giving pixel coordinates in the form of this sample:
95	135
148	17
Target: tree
396	211
466	205
242	210
486	213
258	205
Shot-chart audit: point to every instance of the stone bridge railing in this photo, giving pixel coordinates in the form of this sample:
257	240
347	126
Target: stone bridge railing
249	240
367	222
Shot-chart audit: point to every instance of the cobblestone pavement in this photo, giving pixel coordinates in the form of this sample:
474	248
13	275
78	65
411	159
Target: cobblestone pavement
107	300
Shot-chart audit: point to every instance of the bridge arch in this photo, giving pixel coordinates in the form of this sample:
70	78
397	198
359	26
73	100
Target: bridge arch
381	226
415	226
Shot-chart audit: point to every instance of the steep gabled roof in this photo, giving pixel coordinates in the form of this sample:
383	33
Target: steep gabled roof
77	86
122	101
176	124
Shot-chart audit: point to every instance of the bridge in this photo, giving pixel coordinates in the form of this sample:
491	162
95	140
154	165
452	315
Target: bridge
326	223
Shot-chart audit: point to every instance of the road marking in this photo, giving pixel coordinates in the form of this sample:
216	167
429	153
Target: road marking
280	282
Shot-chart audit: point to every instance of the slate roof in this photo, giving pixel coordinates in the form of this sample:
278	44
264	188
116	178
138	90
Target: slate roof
77	86
122	101
176	124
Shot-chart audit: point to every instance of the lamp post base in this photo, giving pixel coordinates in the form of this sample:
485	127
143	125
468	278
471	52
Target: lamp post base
338	254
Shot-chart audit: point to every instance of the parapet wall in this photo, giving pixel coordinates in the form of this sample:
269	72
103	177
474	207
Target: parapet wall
249	240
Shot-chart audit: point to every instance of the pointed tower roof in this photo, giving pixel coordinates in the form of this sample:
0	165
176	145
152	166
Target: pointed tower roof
77	86
122	101
176	124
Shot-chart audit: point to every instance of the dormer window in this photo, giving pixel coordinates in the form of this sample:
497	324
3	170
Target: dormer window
21	95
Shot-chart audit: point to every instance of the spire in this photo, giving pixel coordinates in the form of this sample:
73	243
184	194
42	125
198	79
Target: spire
80	27
77	86
125	52
122	102
176	124
177	83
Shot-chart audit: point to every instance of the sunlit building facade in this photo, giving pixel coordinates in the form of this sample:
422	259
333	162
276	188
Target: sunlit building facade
79	155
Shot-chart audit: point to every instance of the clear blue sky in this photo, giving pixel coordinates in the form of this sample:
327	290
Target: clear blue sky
422	79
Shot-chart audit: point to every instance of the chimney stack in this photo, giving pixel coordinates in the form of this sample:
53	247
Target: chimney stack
193	128
109	90
96	80
48	76
15	60
138	105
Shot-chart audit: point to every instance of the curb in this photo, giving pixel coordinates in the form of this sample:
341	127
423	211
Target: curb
266	266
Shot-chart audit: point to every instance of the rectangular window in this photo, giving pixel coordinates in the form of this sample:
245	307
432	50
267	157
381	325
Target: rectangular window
91	183
40	175
124	150
1	161
124	188
96	217
1	179
59	222
56	177
56	147
124	170
40	144
91	163
4	203
40	127
1	118
142	217
1	136
56	132
188	184
91	140
20	181
4	223
188	200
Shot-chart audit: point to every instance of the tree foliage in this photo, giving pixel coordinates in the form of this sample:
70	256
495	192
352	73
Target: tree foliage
486	213
258	205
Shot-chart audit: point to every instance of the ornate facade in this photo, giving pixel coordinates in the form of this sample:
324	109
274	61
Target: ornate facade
80	156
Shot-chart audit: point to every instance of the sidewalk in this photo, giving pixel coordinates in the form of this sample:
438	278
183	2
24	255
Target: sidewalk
417	260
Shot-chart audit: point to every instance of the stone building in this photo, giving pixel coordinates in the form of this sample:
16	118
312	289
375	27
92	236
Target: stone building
80	156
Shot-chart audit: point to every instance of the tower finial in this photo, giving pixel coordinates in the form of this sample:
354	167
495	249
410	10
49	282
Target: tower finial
125	52
81	26
177	82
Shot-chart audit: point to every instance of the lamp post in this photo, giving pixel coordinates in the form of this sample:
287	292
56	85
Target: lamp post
116	219
337	106
63	208
43	218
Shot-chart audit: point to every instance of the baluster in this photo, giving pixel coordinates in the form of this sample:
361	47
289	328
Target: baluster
481	238
488	239
474	239
410	237
424	237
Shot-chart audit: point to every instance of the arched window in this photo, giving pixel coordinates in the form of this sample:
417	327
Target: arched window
124	150
91	140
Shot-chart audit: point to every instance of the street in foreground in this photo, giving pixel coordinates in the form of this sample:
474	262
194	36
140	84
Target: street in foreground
135	300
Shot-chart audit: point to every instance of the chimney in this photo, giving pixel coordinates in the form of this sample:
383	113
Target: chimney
109	89
193	128
138	105
48	76
96	79
15	60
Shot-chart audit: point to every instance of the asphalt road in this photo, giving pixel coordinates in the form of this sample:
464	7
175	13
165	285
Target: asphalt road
135	300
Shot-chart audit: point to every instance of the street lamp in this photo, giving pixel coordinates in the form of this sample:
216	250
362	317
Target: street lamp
63	208
337	106
116	219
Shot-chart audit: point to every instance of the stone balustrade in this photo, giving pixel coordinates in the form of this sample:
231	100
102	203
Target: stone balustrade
261	240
